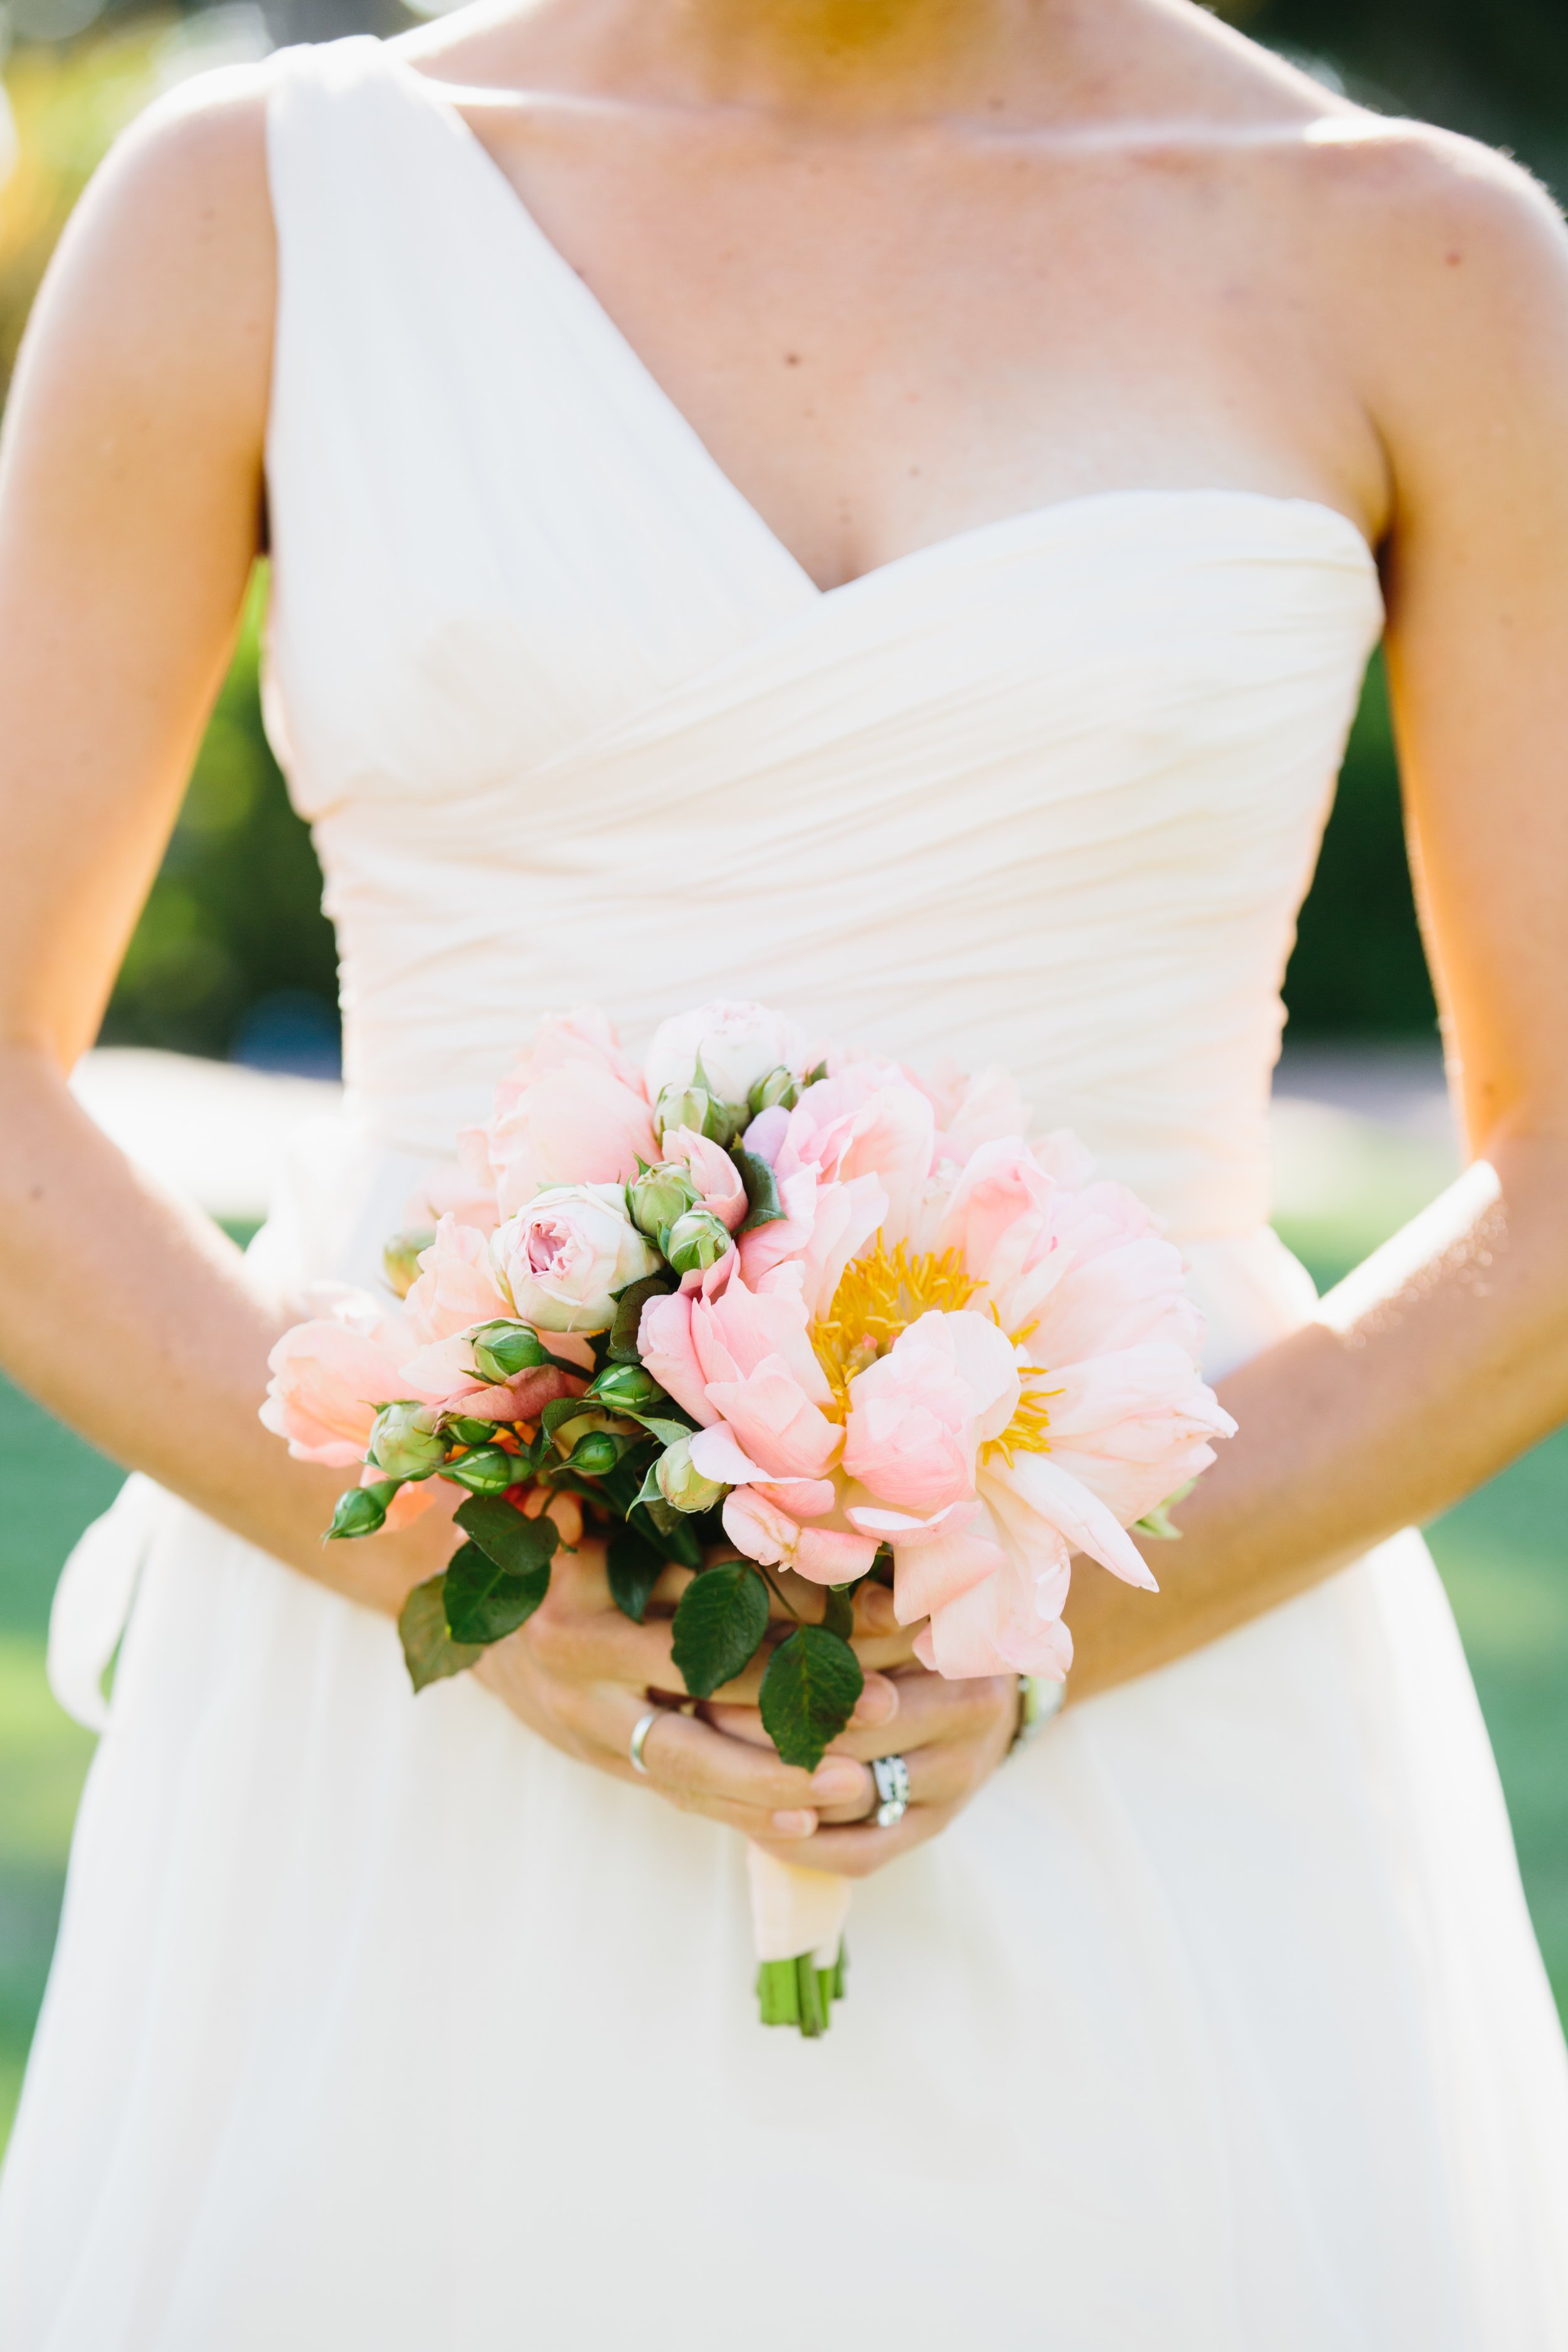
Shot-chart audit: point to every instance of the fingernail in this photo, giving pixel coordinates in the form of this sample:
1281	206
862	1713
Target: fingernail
835	1781
878	1703
794	1825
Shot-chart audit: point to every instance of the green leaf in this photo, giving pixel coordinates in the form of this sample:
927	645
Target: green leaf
673	1536
560	1410
428	1648
484	1602
719	1626
519	1546
619	1487
809	1691
669	1432
635	1568
761	1188
622	1347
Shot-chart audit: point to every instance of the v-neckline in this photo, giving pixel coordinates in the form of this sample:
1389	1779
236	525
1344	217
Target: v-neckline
435	95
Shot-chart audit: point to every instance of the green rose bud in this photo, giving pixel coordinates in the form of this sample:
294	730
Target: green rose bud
400	1258
655	1200
683	1107
682	1483
627	1388
363	1509
775	1086
595	1454
464	1431
403	1440
486	1470
503	1349
697	1241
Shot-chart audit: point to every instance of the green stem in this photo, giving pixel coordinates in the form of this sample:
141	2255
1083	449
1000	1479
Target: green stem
797	1992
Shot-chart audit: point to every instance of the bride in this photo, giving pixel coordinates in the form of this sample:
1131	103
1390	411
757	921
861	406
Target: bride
878	506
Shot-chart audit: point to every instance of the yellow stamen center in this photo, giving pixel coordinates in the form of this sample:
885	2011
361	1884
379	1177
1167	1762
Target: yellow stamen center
1026	1433
877	1298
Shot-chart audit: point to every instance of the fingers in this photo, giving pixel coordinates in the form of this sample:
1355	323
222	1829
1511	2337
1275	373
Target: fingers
931	1710
749	1786
857	1852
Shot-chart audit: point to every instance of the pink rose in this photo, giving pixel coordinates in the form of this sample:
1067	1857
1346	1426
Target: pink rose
574	1124
454	1189
456	1285
561	1260
331	1378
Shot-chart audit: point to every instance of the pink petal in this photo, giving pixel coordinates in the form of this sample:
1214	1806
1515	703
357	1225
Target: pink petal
766	1534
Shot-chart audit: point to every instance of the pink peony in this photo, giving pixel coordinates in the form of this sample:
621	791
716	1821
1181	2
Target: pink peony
823	1555
823	1226
918	1414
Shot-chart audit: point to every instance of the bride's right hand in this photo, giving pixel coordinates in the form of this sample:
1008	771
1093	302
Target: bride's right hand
581	1676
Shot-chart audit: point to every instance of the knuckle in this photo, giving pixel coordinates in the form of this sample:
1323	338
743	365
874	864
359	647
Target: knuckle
554	1640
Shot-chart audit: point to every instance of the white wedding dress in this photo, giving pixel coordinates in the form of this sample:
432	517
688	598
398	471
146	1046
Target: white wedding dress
1217	2023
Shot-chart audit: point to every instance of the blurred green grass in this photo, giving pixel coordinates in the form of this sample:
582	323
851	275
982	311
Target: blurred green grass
1501	1553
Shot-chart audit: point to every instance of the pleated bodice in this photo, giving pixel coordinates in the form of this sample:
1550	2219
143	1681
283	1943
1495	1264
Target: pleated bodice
572	724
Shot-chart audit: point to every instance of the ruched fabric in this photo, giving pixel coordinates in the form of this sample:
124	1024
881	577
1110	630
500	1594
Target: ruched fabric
1215	2024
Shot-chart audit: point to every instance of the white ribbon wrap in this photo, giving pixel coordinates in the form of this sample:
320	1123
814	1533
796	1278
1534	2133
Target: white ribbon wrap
795	1910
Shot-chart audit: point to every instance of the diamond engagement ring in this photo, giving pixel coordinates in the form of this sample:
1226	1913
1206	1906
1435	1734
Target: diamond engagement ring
644	1725
892	1775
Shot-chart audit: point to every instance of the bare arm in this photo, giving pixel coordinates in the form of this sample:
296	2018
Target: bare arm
1446	1354
130	484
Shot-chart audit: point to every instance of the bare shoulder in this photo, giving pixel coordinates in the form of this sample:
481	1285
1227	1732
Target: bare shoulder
166	276
1444	265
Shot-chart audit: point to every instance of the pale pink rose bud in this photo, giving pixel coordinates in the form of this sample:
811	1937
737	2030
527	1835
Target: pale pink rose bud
727	1046
700	1111
680	1482
404	1441
697	1241
656	1199
776	1090
564	1259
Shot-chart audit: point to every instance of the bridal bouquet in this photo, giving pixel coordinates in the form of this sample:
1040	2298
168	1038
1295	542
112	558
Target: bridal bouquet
751	1308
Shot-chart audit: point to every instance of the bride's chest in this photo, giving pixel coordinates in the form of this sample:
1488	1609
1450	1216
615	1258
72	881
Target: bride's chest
883	347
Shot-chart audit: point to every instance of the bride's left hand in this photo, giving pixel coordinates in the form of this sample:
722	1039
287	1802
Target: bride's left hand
950	1735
